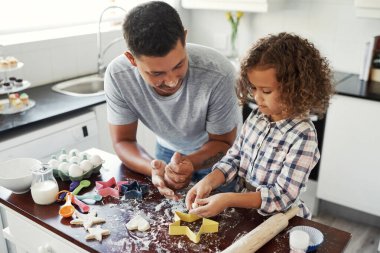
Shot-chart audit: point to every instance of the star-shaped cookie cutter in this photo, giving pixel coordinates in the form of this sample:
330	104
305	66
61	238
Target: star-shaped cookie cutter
175	228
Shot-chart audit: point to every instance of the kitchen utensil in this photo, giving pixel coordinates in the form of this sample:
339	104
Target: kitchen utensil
67	209
82	206
82	184
16	174
259	236
94	196
74	184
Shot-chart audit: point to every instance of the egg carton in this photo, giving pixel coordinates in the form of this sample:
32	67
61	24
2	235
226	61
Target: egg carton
65	177
66	174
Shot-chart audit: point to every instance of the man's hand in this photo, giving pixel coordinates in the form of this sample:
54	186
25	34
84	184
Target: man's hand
158	171
178	172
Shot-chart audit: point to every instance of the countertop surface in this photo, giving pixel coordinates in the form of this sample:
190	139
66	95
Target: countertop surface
350	85
49	104
233	222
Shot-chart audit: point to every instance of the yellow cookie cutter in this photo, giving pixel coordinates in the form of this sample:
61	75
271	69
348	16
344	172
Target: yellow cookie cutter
175	228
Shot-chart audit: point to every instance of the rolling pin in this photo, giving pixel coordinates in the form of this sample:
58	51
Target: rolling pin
259	236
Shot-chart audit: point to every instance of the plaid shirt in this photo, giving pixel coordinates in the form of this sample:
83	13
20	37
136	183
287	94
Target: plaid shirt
274	157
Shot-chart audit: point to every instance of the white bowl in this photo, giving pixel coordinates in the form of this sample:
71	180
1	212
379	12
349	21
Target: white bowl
16	174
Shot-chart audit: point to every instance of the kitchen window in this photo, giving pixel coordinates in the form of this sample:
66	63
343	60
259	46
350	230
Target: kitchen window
19	16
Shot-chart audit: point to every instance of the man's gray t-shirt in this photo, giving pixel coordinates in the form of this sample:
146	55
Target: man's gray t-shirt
205	103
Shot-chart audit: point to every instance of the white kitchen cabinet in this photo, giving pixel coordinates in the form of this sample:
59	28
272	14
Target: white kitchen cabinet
350	168
145	137
236	5
30	237
367	8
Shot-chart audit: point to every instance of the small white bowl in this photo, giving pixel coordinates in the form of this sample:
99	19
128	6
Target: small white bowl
316	236
16	174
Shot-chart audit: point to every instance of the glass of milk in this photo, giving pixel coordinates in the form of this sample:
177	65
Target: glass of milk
44	186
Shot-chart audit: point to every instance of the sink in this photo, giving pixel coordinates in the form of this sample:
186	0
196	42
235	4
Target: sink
81	87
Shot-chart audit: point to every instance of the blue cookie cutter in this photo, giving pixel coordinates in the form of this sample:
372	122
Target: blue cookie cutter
134	190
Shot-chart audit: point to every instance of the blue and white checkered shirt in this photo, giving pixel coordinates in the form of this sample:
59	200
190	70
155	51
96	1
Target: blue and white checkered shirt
274	157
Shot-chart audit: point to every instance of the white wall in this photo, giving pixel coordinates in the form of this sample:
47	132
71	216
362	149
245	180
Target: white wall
330	24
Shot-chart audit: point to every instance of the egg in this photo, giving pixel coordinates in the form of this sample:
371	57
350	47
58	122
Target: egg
74	159
86	166
75	170
73	152
84	156
63	157
64	167
96	160
53	164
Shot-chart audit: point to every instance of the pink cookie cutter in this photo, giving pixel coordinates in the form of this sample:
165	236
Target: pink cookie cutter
105	189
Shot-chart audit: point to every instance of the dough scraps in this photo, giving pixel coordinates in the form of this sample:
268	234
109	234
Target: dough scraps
138	222
87	220
97	233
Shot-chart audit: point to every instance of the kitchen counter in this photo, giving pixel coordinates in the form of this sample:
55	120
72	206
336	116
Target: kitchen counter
49	105
351	85
233	222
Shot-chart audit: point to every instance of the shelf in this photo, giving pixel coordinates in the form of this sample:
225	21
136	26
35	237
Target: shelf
227	5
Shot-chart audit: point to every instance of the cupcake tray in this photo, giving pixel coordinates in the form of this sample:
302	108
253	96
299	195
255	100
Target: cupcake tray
25	84
19	66
7	109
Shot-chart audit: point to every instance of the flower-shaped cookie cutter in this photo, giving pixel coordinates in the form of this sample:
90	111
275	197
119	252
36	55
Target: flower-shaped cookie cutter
208	226
133	190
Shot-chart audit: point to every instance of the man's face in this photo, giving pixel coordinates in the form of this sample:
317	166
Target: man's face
165	74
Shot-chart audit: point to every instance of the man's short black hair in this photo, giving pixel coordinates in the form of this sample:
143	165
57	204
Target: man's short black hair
153	29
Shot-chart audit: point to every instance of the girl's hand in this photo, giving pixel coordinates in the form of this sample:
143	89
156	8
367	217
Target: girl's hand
211	206
200	190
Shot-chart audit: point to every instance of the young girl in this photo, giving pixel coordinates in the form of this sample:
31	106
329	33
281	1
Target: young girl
277	147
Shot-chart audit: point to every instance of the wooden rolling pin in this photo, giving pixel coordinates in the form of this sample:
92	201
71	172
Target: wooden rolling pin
259	236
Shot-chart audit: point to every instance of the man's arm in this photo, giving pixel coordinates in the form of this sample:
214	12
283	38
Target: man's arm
179	171
129	151
213	150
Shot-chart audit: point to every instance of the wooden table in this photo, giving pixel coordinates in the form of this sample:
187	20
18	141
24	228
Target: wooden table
233	222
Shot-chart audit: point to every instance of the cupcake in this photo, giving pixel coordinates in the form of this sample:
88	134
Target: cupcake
12	61
7	86
12	80
4	64
18	82
12	98
24	99
18	104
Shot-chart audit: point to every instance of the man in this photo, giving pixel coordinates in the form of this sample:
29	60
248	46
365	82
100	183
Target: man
183	93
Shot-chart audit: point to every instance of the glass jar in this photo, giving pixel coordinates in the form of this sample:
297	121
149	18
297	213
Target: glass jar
44	186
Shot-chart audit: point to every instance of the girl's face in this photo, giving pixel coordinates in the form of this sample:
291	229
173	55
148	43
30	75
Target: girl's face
265	90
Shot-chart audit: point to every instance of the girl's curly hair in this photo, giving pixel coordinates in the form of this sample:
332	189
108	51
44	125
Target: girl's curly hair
304	75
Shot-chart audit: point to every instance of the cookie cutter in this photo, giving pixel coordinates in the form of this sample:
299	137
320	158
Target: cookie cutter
175	228
110	187
133	190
